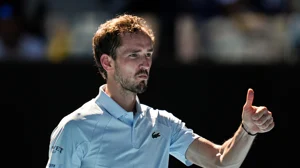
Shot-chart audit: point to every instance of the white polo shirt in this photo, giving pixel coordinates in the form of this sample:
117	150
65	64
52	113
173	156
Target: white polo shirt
101	134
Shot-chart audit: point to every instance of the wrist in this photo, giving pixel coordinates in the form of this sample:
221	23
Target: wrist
247	130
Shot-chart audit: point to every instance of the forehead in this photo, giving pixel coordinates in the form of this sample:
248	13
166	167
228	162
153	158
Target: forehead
138	40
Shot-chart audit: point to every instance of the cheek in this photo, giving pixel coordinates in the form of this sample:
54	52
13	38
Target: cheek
150	62
128	70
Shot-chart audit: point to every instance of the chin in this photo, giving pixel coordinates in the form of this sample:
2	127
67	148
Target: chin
141	87
141	91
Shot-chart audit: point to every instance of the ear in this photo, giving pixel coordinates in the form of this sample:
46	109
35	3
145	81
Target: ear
106	62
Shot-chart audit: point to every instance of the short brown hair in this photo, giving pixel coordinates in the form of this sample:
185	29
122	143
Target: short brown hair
107	38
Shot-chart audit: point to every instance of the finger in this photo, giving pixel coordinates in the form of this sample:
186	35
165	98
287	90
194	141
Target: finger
249	98
267	123
259	112
263	119
271	126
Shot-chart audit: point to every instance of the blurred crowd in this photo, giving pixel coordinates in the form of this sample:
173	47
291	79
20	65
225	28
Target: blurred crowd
187	31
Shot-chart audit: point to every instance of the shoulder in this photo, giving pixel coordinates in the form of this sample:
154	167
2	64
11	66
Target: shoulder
82	121
88	113
162	116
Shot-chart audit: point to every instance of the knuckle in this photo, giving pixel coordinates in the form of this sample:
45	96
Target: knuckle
263	108
259	122
268	117
266	125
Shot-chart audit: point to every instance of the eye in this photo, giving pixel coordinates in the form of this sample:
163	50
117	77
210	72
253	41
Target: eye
149	54
133	55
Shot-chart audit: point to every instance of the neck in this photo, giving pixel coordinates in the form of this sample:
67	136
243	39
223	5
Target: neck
124	98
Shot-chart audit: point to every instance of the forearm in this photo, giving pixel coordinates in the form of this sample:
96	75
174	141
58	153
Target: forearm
234	150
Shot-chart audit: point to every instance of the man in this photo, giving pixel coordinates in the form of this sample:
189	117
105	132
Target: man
115	130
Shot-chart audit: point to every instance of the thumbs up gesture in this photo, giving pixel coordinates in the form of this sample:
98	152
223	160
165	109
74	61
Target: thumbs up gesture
256	119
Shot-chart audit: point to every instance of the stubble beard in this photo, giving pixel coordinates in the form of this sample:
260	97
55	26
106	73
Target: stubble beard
129	85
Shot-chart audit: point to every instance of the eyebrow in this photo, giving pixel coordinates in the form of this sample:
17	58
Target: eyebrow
150	50
136	51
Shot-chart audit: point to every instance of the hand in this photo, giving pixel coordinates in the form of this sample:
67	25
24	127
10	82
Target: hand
256	119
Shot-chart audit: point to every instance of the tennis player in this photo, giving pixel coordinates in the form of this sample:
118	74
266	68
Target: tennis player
115	130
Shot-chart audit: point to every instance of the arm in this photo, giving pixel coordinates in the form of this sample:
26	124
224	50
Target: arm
66	150
232	152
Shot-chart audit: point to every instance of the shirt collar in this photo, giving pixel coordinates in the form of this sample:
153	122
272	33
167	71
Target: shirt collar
112	107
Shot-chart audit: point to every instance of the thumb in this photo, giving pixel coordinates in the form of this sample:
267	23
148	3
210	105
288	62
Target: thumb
250	97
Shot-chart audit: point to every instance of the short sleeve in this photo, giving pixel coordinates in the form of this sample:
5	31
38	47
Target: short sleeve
181	139
66	149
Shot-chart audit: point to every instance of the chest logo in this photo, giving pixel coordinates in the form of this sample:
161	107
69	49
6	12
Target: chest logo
155	135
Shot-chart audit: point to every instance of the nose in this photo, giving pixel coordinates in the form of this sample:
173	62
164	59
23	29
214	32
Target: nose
146	62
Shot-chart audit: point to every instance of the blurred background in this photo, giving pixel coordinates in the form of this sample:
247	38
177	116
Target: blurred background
190	31
214	49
